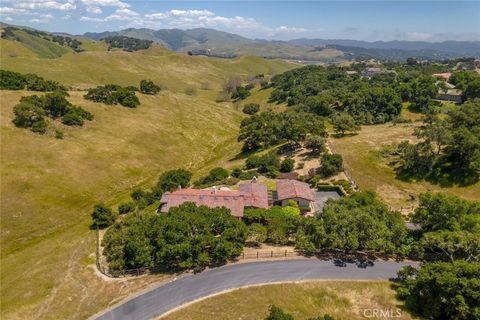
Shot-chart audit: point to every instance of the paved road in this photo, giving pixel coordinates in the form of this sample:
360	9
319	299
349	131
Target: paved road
190	288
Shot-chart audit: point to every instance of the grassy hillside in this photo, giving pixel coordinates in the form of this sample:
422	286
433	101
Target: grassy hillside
49	185
304	300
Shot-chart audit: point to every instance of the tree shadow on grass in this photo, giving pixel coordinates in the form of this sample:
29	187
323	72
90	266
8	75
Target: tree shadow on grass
344	135
444	176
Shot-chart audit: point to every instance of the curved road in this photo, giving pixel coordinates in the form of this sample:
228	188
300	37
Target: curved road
190	288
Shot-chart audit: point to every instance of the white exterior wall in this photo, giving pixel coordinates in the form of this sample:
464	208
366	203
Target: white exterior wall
301	202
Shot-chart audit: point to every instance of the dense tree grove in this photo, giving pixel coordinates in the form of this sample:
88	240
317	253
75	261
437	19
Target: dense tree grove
450	228
447	286
449	145
186	237
10	33
10	80
325	90
32	111
113	94
269	128
359	222
443	290
127	43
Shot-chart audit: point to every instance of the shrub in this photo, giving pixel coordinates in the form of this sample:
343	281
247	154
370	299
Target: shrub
171	180
215	175
331	164
58	134
240	93
236	172
251	108
287	165
102	216
126	207
72	118
40	126
278	314
256	233
148	87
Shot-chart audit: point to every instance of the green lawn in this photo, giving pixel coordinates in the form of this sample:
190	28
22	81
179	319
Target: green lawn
340	299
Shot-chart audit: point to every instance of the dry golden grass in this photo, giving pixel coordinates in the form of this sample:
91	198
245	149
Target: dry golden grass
340	299
370	171
49	186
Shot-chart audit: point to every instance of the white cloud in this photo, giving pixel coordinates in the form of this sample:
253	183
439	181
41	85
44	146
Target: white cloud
90	19
12	11
419	36
45	5
185	19
36	20
93	9
106	3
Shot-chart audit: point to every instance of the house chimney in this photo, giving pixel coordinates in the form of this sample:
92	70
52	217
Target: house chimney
214	190
254	179
179	187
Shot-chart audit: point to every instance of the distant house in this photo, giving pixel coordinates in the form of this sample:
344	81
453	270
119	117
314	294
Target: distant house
293	190
249	195
370	72
445	76
453	95
351	72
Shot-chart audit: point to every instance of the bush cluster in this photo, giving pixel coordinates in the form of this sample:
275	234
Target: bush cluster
32	111
113	94
10	80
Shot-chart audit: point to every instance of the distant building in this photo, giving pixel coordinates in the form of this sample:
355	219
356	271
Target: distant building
370	72
453	95
445	76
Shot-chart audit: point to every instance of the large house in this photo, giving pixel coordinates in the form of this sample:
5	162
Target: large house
248	195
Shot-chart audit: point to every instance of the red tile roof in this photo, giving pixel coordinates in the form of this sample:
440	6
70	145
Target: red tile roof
445	75
249	195
255	195
214	199
289	189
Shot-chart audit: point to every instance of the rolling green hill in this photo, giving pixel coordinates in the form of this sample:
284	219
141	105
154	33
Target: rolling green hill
49	185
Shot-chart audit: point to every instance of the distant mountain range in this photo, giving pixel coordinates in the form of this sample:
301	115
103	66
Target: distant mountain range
216	43
219	43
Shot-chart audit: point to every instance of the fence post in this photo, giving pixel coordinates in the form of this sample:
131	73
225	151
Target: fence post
285	253
271	253
257	254
243	255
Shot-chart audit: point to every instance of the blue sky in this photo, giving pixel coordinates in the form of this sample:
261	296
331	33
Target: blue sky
360	20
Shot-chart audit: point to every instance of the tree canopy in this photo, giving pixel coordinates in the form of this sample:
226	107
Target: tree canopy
186	237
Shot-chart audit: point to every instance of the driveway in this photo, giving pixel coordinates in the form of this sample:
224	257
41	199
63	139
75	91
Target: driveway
321	197
190	288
